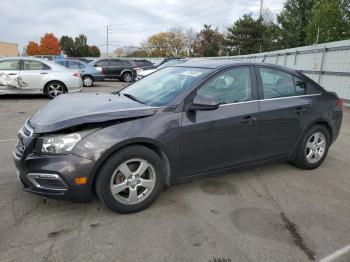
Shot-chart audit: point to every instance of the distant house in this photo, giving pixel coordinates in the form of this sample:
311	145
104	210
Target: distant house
8	49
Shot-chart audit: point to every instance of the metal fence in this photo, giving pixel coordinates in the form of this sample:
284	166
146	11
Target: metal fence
328	64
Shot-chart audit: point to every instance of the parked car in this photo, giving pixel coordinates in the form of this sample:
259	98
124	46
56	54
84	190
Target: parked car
146	72
29	75
117	68
185	121
82	59
88	73
144	64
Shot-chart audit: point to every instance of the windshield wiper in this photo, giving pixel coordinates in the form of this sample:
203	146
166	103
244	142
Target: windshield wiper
132	97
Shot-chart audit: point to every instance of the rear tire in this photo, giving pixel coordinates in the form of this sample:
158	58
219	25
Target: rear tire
54	89
313	148
131	179
88	81
127	77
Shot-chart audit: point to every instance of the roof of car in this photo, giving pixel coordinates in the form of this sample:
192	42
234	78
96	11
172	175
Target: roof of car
213	64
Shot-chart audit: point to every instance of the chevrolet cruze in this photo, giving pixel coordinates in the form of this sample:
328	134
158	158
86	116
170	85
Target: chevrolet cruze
185	121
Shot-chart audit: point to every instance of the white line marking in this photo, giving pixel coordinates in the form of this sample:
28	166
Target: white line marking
337	254
7	140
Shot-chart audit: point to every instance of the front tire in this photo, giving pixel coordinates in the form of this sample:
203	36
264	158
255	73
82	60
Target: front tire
313	148
88	81
130	180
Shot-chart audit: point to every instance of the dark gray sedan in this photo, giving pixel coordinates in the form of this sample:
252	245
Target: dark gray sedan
181	122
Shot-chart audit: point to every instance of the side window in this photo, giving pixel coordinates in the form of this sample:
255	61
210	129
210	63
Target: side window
9	65
34	65
115	63
103	63
126	63
300	87
231	86
280	84
74	65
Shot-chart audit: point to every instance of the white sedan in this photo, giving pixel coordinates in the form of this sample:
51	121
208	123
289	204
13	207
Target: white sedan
29	75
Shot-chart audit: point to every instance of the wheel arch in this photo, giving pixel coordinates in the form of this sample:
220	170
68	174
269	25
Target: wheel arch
150	144
321	122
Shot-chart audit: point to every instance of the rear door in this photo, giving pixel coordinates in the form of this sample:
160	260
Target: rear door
34	74
9	74
114	68
225	137
284	110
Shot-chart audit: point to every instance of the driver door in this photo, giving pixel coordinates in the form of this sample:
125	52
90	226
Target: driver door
227	136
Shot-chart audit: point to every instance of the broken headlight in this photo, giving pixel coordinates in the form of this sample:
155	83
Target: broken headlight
59	143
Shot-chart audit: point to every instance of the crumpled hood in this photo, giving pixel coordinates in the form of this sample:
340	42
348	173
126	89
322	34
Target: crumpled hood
75	109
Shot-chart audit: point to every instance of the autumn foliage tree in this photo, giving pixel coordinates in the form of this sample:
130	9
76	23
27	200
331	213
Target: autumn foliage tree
49	45
33	48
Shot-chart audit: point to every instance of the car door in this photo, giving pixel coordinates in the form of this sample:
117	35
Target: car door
9	74
115	68
34	74
284	110
225	137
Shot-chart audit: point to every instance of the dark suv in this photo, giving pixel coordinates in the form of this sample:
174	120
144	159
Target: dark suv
181	122
112	68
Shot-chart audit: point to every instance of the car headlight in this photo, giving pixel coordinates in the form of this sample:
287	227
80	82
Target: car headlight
59	143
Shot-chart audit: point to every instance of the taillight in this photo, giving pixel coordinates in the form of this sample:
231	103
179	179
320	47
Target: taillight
76	74
340	103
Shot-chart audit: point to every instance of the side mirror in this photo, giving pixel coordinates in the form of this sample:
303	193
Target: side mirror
204	103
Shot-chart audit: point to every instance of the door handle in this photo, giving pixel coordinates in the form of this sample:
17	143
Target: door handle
43	73
248	119
12	74
300	110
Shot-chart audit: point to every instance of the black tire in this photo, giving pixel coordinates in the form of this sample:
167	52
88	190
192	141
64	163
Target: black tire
301	153
48	92
108	170
88	81
127	77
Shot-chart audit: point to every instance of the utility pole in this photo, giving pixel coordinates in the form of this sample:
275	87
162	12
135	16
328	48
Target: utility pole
261	8
107	43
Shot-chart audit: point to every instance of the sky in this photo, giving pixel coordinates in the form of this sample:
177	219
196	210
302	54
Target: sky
131	21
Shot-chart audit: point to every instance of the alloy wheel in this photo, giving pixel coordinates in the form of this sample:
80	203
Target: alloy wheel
87	81
133	181
55	89
315	148
127	77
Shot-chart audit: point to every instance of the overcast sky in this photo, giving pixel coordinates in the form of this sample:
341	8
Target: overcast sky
132	21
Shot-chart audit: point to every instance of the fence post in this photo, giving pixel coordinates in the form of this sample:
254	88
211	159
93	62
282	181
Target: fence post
321	66
285	59
295	59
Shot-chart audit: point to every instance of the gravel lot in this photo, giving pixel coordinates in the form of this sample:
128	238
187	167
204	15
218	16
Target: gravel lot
272	213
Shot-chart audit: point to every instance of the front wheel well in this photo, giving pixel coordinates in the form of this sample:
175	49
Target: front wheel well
162	155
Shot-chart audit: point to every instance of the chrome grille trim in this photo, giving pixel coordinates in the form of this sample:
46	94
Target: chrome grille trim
26	130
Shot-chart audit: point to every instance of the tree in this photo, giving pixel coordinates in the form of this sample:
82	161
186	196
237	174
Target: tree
209	42
190	41
33	48
67	45
94	51
176	41
81	47
49	45
293	21
248	35
330	19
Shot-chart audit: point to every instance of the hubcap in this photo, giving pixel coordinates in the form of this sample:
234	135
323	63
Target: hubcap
87	81
127	77
133	181
315	148
55	90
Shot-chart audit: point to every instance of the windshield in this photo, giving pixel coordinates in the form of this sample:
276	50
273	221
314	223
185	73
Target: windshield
163	86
